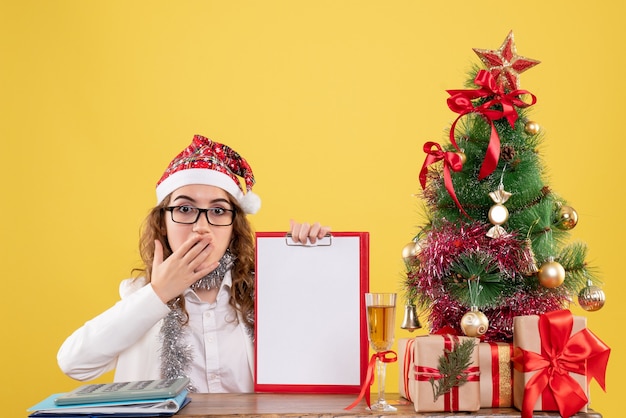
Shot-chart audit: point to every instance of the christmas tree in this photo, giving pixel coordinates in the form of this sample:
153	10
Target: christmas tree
496	241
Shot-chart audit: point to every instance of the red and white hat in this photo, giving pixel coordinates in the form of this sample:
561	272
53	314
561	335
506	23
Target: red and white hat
207	162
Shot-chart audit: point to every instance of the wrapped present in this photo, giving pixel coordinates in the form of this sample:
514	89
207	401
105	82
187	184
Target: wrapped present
555	357
496	374
405	357
429	383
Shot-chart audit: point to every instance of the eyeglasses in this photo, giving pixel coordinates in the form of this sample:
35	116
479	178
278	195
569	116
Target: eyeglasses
190	215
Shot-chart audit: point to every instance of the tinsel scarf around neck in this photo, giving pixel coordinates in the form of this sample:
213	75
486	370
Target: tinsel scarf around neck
176	355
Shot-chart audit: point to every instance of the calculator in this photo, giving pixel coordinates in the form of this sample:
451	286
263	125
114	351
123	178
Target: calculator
124	391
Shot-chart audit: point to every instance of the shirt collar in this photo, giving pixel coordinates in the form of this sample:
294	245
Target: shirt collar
227	283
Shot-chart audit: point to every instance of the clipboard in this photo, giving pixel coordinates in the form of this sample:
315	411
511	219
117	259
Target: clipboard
311	327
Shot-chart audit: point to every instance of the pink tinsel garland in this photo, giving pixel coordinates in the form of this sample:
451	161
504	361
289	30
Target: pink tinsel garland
445	244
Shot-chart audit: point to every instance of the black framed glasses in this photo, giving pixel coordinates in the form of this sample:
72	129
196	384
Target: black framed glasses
189	215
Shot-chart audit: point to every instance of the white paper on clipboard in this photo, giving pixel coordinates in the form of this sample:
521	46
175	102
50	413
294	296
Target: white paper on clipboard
311	333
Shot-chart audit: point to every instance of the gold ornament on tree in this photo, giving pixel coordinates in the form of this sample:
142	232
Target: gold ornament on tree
498	213
531	128
551	274
411	251
591	298
474	323
567	218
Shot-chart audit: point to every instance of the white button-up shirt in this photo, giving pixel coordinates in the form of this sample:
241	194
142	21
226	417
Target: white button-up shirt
127	338
220	361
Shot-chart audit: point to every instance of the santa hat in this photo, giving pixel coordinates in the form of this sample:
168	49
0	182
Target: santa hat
207	162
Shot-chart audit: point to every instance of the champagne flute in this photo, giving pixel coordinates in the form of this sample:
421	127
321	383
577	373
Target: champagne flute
381	314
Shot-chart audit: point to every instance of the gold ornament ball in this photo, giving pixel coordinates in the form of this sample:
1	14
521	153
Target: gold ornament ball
568	218
551	274
474	323
532	128
591	298
462	156
411	250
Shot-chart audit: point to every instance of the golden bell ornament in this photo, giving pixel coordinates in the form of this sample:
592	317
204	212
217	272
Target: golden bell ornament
551	274
410	321
474	323
567	218
532	128
591	298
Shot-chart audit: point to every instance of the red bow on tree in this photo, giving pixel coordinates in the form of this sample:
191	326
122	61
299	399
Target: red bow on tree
451	160
461	102
582	353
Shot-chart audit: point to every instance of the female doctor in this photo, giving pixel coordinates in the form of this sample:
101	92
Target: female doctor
190	311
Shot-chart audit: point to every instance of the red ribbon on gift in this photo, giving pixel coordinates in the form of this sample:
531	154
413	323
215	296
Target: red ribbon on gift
451	161
369	377
581	353
461	102
496	398
408	360
451	398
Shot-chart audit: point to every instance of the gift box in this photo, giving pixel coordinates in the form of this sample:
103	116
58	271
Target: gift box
420	374
496	374
405	358
554	358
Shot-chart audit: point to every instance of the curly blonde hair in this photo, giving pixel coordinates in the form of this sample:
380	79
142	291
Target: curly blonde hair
241	246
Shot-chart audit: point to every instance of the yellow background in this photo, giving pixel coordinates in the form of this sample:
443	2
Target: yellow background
330	101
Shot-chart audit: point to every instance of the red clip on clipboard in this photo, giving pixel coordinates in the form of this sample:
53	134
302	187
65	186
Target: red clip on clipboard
311	330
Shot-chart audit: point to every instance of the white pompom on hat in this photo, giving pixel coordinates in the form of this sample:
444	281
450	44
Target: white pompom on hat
208	162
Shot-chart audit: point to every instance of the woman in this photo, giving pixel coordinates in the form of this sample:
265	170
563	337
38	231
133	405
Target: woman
191	310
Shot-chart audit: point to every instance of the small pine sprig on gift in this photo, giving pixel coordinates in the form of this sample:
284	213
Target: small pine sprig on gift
452	367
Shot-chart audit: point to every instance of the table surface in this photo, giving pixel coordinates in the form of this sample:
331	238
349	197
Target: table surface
321	405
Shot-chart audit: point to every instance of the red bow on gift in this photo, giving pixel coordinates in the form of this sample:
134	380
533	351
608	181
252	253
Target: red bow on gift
582	353
461	102
451	160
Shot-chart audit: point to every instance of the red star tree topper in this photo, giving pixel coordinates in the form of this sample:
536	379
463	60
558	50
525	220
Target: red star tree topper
504	63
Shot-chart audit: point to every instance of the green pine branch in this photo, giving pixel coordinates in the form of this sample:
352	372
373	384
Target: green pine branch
475	280
452	366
